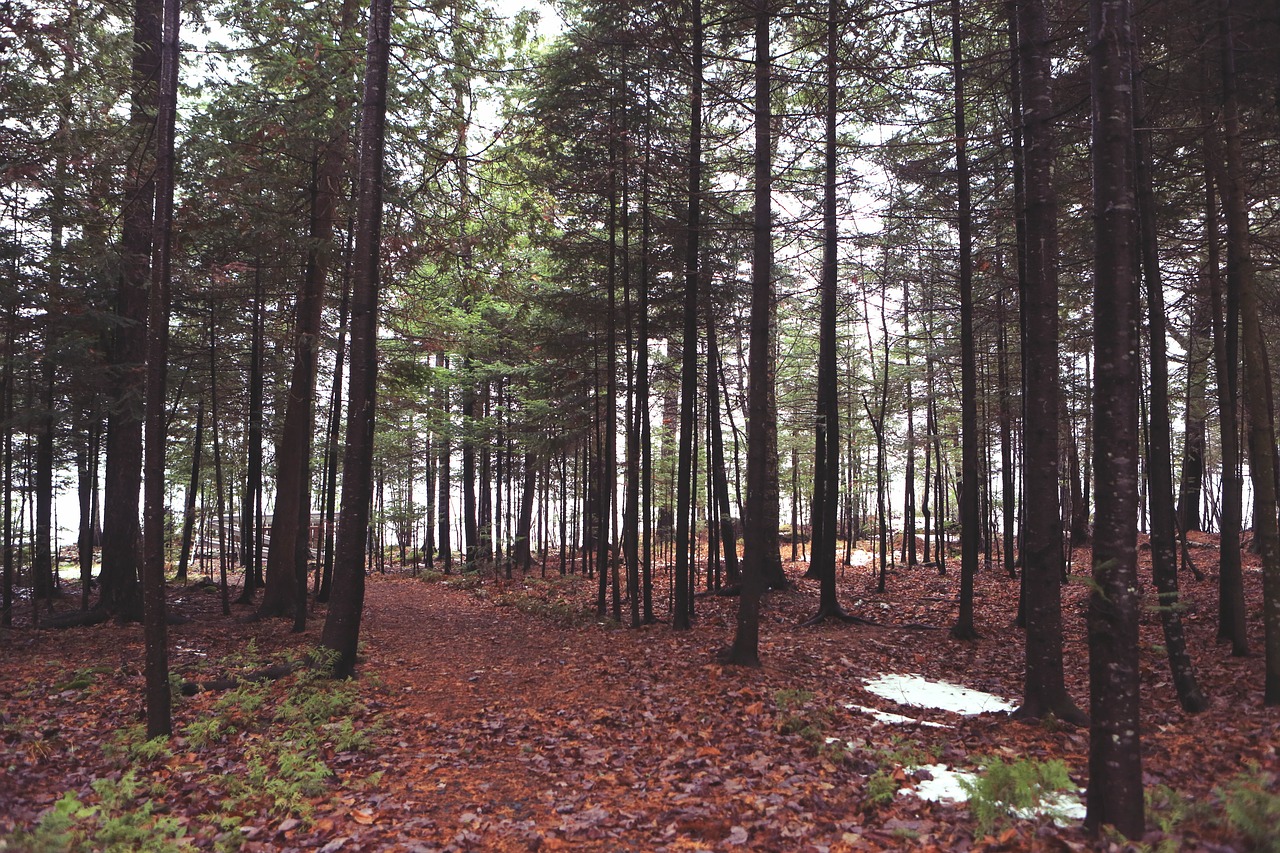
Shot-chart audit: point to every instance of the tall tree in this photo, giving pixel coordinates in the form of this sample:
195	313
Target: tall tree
1115	795
1257	379
286	567
970	522
342	626
689	343
1159	465
120	593
826	465
745	650
1044	688
159	721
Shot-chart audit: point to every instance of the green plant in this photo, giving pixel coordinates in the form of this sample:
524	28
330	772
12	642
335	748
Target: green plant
905	753
82	679
467	580
131	743
1252	804
1020	786
1169	811
882	788
565	612
201	733
121	822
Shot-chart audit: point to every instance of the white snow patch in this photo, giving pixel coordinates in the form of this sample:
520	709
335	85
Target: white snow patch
945	785
925	693
894	719
860	558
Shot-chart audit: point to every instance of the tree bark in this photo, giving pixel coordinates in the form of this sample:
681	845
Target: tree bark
1115	795
745	650
970	521
120	593
1159	467
342	626
1044	689
689	345
159	721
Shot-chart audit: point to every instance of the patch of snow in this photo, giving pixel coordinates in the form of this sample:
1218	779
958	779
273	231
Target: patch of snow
926	693
894	719
860	558
1062	806
945	785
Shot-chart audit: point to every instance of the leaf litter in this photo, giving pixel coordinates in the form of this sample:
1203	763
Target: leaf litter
497	729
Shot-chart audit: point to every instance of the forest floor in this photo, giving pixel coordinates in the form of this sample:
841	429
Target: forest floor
503	715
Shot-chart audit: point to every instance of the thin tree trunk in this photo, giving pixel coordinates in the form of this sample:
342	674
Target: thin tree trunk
1231	604
252	533
689	344
1164	544
970	522
193	489
159	719
745	650
826	465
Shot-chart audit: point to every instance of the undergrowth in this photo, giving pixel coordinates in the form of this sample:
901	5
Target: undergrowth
1010	789
279	737
122	820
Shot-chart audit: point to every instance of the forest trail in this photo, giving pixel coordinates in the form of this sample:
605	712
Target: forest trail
505	716
518	732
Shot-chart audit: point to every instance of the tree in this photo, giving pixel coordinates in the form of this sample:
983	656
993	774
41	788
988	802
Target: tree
1115	795
120	532
1044	690
1159	467
745	650
1257	378
826	464
287	554
342	625
159	723
689	343
970	522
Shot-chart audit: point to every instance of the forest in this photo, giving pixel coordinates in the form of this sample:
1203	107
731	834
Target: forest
610	425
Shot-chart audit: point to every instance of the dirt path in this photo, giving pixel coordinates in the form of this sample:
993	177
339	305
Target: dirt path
515	734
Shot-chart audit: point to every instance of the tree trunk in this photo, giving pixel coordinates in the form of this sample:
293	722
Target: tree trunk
826	464
1115	795
1164	544
120	593
689	343
251	530
286	568
159	720
970	521
1044	688
1226	342
1257	384
719	474
745	650
342	626
446	456
193	489
524	527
